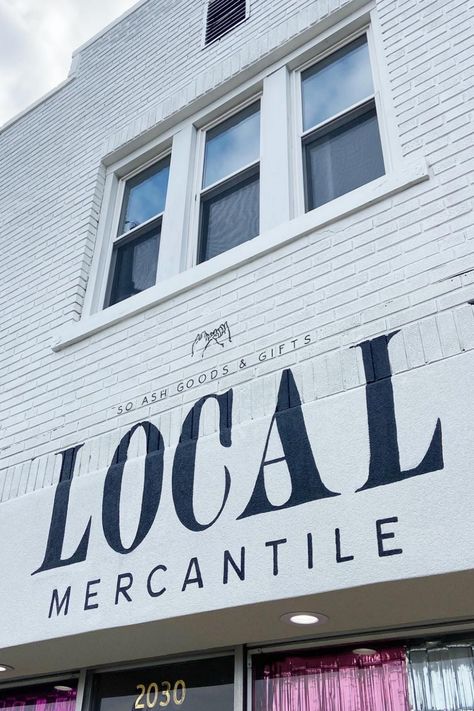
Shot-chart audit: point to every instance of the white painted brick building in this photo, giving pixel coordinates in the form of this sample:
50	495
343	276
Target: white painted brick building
322	276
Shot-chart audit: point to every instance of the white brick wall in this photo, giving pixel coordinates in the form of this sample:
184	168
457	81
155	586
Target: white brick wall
406	262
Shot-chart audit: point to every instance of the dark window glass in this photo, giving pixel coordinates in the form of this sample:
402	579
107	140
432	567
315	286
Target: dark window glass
232	145
229	218
144	196
222	16
343	159
336	83
199	685
230	199
134	265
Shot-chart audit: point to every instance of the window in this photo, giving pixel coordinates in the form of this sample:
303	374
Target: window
204	684
223	16
335	680
434	676
230	184
253	171
136	246
340	139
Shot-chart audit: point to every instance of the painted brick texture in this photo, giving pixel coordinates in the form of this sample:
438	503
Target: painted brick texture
405	263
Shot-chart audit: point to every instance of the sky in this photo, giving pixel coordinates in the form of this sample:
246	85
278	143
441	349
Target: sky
37	38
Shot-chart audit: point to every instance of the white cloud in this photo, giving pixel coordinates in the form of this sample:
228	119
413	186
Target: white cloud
37	39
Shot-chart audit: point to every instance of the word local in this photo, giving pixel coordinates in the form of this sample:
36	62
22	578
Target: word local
304	477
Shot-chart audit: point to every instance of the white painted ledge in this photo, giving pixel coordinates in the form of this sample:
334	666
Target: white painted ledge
409	174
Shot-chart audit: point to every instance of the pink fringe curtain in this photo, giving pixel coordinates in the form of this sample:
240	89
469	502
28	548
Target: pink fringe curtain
51	701
334	682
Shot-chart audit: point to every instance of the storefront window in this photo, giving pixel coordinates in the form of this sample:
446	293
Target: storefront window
44	697
197	685
442	678
332	682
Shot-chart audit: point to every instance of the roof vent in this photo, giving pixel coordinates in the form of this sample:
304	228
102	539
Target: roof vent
223	16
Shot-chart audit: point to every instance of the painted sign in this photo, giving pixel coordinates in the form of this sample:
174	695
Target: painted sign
334	493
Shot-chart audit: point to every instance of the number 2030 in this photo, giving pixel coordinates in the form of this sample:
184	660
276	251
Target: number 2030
149	695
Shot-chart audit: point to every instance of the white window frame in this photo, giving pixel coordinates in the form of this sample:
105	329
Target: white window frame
297	102
198	190
177	145
282	210
117	238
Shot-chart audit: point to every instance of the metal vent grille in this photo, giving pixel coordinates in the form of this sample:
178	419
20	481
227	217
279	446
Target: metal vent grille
223	16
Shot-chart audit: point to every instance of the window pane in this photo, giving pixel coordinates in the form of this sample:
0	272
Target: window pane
44	697
344	159
442	678
336	83
230	218
135	266
197	685
333	681
232	145
145	196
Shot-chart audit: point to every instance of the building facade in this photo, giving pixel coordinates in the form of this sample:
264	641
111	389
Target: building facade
236	361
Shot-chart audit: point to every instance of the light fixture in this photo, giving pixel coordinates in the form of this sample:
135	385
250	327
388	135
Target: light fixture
61	687
5	668
364	651
304	618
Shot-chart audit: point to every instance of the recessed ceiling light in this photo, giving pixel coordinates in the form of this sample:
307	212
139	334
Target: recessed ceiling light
5	668
61	687
364	651
304	618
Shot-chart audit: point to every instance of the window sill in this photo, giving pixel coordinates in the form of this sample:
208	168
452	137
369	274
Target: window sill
410	174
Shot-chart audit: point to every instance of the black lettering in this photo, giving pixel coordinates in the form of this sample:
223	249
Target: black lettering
306	483
339	557
89	594
54	545
239	569
152	485
123	589
274	545
309	540
381	537
59	605
188	580
185	460
384	467
151	592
